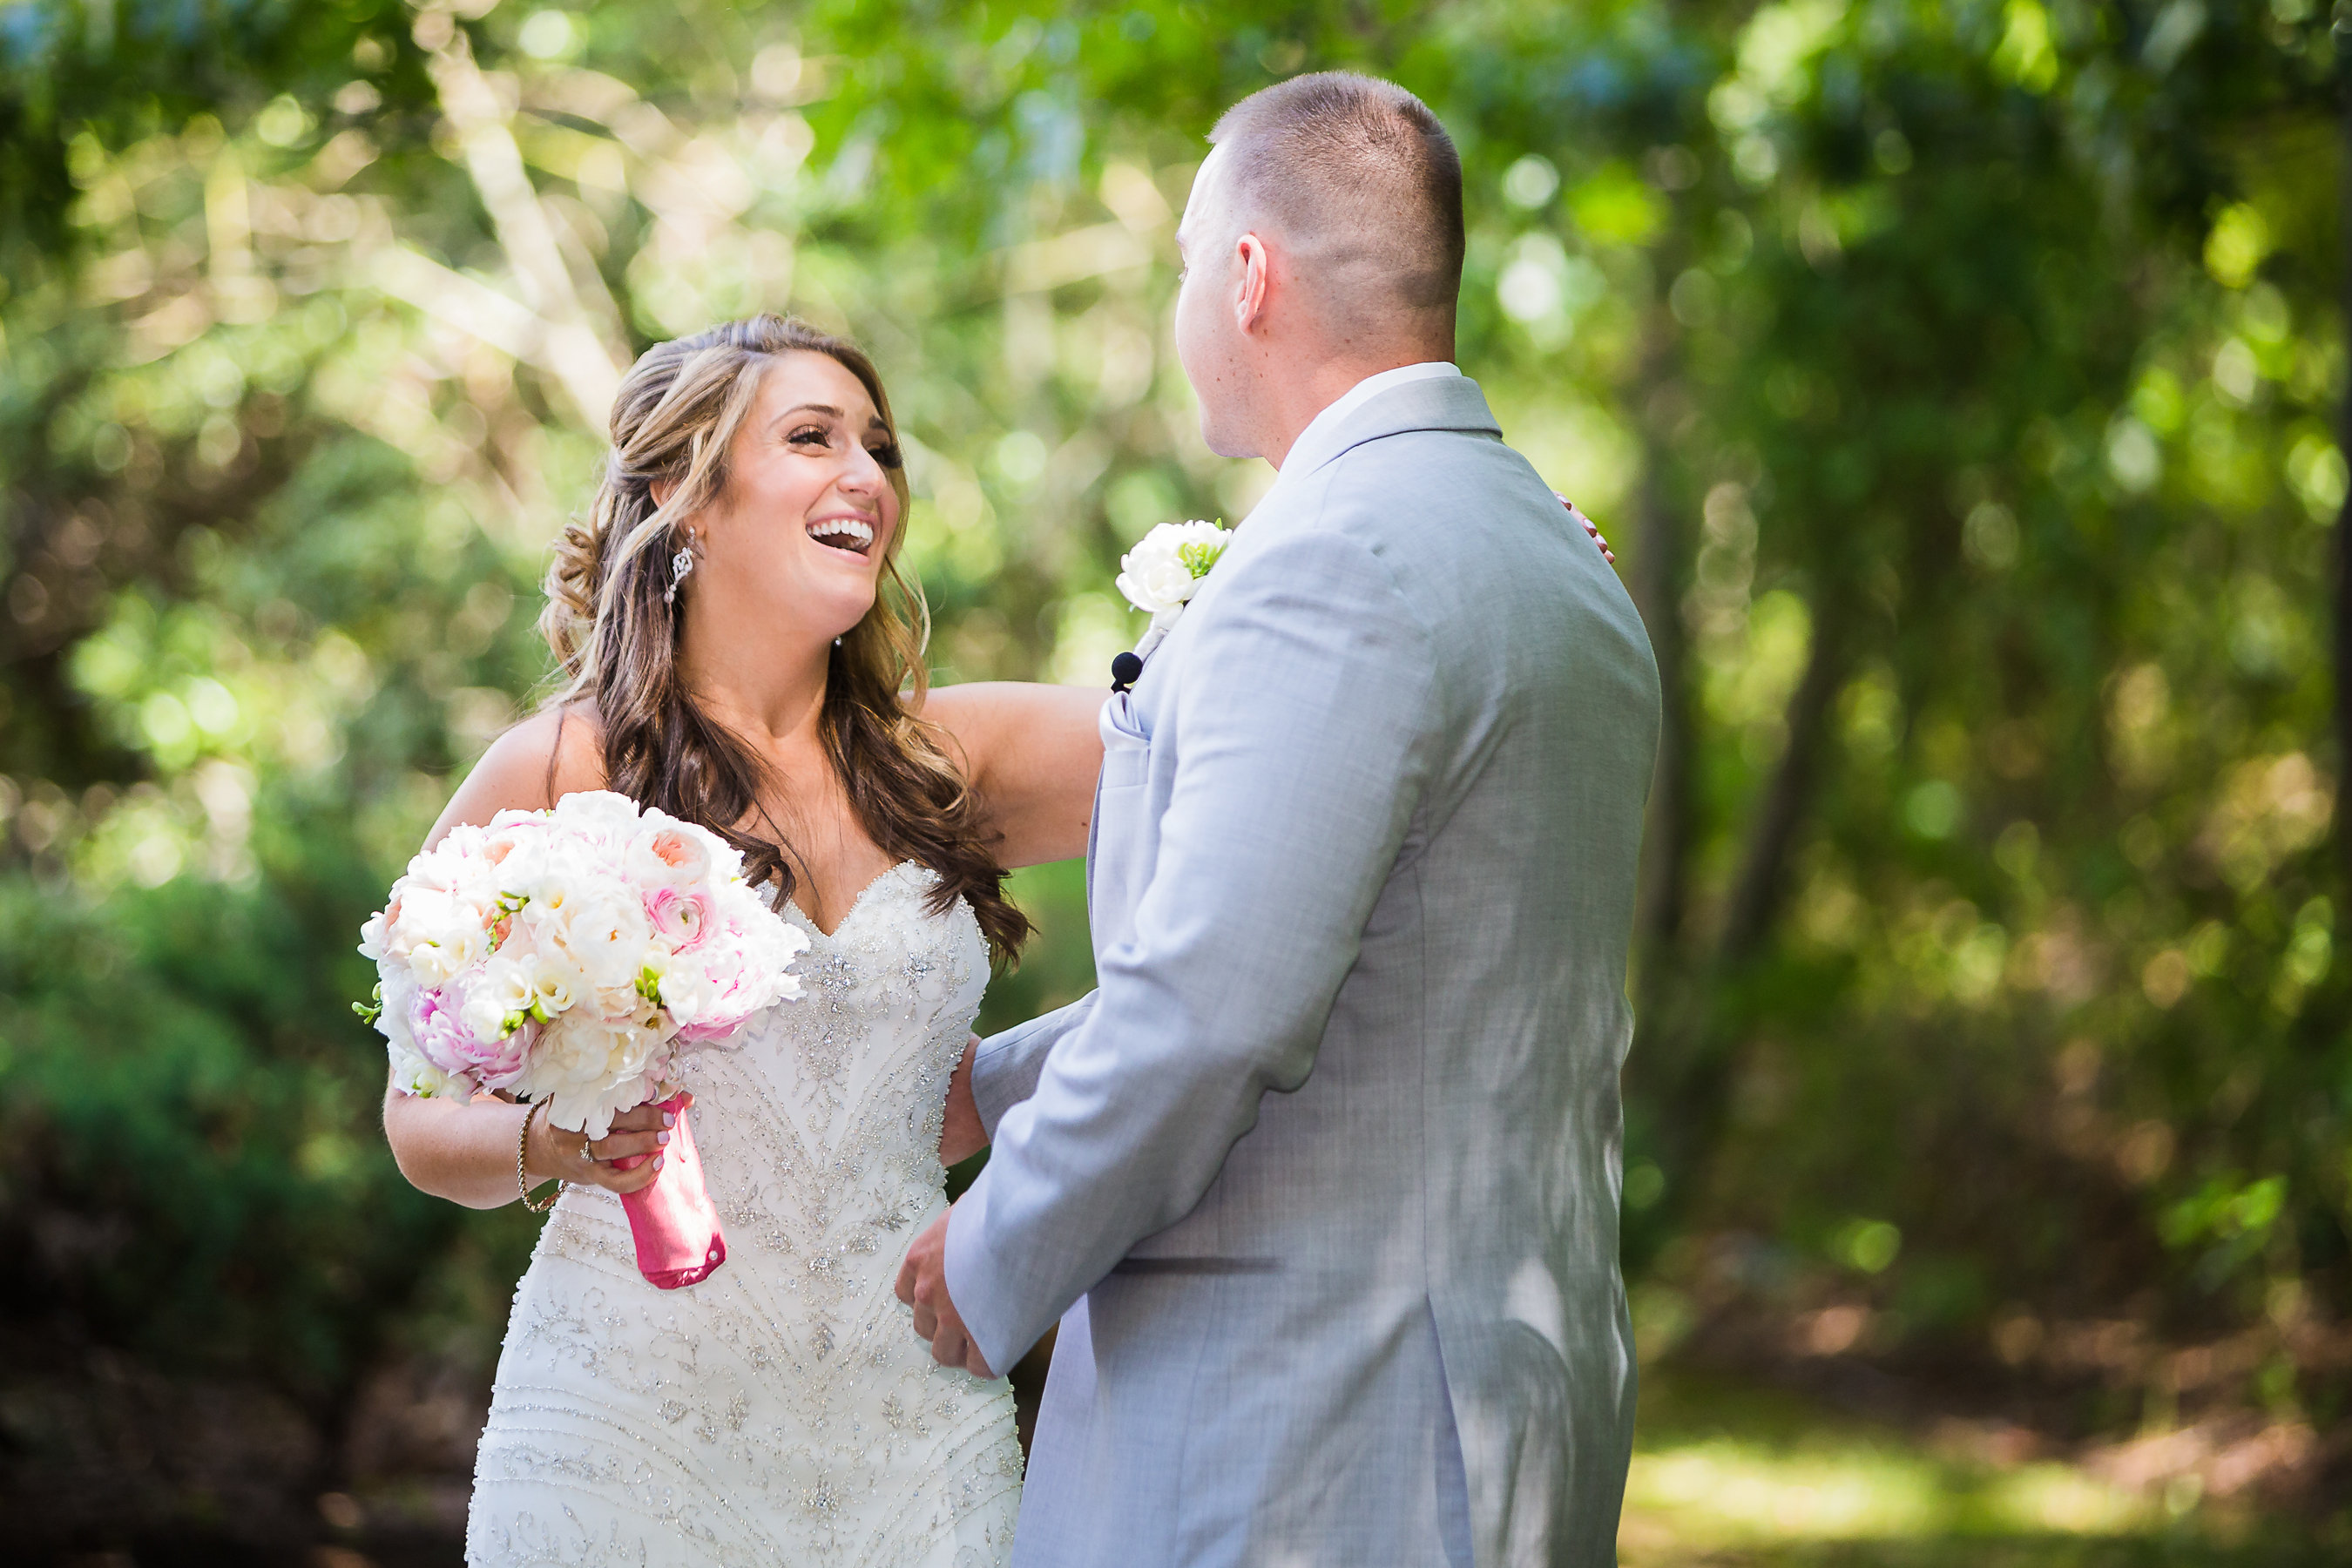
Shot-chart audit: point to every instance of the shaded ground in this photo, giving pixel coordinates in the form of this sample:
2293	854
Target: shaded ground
1730	1472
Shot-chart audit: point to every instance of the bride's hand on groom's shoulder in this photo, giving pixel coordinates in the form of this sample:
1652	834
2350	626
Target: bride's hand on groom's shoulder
1590	527
961	1135
625	1160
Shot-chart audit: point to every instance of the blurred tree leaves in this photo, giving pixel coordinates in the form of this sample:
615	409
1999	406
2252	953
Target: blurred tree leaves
1956	380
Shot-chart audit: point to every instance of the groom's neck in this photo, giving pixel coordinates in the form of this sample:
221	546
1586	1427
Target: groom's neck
1292	394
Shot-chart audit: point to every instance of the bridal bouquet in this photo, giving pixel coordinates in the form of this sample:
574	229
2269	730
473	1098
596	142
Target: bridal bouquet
569	956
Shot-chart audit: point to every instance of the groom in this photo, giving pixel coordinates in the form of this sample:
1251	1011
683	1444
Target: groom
1321	1183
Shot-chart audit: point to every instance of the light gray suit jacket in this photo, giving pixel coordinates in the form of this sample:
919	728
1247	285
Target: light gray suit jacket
1324	1172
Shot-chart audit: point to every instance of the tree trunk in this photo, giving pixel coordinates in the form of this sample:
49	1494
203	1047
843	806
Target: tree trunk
1755	898
2344	516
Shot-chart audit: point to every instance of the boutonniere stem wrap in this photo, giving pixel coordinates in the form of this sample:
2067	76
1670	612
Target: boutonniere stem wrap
1160	575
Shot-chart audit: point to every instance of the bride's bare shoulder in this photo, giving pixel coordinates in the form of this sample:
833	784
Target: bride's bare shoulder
553	754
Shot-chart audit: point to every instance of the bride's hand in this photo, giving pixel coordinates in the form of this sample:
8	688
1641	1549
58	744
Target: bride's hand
625	1160
960	1135
1590	527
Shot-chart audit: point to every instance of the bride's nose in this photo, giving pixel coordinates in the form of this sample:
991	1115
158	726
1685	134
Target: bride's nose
863	476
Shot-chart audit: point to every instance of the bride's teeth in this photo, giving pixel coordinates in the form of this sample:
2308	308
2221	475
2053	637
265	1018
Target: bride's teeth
857	531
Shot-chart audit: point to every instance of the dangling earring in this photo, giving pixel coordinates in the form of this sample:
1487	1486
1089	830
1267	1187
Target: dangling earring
681	566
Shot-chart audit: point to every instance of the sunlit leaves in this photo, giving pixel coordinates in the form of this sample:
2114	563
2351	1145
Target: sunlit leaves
2027	55
2236	245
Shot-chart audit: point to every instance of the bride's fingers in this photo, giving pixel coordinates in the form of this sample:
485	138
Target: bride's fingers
621	1145
640	1174
644	1119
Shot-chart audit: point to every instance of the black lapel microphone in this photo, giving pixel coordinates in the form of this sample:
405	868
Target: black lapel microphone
1125	671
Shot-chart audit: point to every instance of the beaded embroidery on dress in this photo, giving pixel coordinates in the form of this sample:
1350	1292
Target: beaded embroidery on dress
782	1411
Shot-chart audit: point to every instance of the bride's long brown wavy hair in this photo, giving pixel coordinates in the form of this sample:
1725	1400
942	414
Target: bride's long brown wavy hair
615	638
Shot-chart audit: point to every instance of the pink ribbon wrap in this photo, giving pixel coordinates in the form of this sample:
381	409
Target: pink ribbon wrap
674	1222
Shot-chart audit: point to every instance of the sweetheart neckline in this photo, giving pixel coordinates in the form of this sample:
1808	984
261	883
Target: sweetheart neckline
793	901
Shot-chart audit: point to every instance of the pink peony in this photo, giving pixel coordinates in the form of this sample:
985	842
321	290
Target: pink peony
722	989
436	1024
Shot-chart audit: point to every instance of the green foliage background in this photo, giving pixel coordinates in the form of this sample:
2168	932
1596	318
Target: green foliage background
1956	381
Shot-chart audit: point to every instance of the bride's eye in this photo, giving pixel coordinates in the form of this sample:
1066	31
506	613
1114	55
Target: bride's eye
810	435
887	453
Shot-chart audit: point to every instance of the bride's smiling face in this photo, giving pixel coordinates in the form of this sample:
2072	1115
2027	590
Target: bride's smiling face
799	535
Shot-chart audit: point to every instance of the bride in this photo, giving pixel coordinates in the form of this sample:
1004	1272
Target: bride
738	650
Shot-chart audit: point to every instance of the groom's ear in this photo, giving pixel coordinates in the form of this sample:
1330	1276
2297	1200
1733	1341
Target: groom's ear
1255	285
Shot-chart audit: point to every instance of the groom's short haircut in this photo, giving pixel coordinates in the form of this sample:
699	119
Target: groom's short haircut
1361	180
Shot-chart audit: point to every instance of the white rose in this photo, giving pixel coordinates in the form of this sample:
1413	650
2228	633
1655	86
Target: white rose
375	937
483	1017
507	982
667	853
1167	583
549	879
411	1074
1164	569
555	985
437	964
392	1022
689	993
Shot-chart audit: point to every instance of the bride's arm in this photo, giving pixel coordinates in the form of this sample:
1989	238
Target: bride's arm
465	1151
1032	753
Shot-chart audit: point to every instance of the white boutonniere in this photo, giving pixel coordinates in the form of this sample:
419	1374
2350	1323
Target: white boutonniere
1163	572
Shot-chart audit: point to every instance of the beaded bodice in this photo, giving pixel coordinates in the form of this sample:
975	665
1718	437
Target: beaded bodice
782	1410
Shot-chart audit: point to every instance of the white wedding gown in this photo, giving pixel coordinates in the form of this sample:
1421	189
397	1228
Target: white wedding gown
782	1410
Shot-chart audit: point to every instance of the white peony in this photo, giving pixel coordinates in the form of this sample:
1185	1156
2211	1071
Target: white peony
439	932
589	1070
1163	572
605	818
603	930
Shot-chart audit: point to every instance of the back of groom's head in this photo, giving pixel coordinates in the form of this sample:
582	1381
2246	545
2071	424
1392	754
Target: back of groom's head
1363	185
